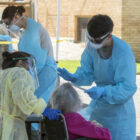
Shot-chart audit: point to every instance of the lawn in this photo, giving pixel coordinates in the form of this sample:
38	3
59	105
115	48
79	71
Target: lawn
138	68
71	65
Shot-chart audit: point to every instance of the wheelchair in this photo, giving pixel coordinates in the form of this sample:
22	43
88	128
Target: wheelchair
51	130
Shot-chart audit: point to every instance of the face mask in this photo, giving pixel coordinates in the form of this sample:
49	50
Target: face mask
95	45
14	28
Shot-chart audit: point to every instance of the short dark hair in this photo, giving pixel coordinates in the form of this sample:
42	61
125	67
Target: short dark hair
10	11
8	62
99	25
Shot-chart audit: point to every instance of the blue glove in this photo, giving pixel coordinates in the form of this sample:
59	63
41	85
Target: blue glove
51	114
95	92
66	75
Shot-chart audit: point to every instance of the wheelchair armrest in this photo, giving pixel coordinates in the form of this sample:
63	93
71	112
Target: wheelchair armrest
34	118
83	138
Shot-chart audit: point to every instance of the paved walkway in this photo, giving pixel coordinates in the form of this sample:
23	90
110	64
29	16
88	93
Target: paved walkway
137	104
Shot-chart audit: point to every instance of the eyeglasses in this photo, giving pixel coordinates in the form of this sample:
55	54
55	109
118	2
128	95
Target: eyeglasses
97	40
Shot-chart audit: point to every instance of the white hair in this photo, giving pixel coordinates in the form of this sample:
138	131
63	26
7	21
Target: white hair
65	98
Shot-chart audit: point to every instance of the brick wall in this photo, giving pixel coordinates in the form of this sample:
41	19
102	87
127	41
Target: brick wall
131	25
125	14
47	11
27	7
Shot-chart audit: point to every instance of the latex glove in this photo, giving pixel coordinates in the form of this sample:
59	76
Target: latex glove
51	114
95	92
66	75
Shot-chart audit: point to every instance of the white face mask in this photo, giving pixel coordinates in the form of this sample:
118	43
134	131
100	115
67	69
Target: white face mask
95	45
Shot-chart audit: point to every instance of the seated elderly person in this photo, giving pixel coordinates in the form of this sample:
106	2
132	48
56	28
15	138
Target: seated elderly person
66	99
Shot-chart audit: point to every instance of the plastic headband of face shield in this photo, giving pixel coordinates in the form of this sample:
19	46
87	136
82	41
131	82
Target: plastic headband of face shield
30	60
32	68
97	40
11	18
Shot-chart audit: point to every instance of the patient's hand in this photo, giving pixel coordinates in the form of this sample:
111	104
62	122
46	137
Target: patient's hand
96	123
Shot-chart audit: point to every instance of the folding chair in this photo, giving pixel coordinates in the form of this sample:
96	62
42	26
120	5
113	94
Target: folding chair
85	139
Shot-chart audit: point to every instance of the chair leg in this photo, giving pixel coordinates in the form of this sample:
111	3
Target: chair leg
28	128
42	131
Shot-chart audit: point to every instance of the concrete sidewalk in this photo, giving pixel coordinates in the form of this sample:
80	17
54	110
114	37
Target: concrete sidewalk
137	105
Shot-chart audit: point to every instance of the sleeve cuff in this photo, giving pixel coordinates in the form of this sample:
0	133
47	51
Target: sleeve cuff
39	107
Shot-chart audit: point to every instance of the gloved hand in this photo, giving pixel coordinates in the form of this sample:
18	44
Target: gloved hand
66	75
95	92
51	114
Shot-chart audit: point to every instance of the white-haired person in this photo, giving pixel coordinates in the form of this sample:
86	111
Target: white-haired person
66	99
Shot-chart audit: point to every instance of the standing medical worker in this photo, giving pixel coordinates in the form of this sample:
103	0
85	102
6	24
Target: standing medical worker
109	62
36	41
17	99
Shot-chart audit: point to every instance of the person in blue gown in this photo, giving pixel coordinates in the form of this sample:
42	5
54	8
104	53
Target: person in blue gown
34	40
109	62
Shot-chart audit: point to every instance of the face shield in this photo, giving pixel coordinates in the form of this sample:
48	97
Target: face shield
32	68
14	27
98	42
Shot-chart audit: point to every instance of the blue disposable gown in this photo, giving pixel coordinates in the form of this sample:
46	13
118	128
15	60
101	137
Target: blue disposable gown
115	110
46	66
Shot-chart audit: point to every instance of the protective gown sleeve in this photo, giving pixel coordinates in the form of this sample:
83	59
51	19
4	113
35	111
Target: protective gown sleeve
23	93
45	41
125	79
84	73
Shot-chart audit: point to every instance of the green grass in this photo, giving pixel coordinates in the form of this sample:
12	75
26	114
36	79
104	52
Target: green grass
138	68
71	65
